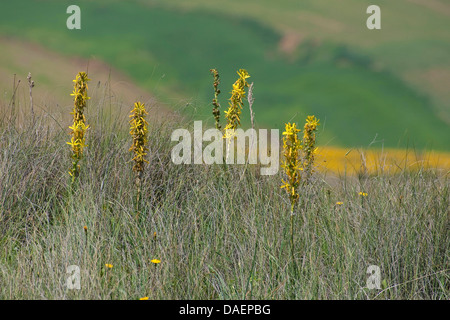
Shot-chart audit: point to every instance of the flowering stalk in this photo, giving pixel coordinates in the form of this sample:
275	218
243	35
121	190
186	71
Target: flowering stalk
292	167
78	127
291	163
138	131
215	101
309	144
235	106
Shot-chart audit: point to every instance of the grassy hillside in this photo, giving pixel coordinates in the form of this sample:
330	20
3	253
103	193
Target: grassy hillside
52	74
356	87
218	232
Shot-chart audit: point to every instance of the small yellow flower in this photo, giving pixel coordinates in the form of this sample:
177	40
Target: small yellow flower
339	203
85	228
143	298
155	261
364	194
109	265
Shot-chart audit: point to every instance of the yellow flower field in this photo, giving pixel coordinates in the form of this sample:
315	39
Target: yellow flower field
355	161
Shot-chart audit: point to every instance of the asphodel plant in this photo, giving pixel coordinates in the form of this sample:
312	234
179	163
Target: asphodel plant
292	166
138	131
298	160
309	145
215	101
79	127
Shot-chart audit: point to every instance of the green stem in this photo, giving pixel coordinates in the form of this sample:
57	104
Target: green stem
138	196
292	239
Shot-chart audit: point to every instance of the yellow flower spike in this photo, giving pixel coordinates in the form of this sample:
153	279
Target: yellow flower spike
309	141
291	162
138	131
79	128
235	104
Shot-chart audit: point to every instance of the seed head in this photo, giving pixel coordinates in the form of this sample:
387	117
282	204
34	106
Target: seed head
215	101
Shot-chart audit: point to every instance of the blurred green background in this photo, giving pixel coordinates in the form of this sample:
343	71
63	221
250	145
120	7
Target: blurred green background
304	57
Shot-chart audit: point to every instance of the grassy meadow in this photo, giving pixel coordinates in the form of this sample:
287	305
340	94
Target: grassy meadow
218	233
76	190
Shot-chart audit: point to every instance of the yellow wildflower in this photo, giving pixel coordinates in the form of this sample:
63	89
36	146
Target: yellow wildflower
309	142
138	131
79	128
291	163
235	104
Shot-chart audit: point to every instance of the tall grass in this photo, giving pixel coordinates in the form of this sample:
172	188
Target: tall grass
217	236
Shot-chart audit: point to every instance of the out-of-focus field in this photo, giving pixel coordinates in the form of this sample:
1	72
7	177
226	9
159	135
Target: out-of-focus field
352	161
413	43
52	74
304	57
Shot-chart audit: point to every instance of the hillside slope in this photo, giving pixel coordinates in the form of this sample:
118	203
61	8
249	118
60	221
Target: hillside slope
52	74
414	42
355	86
